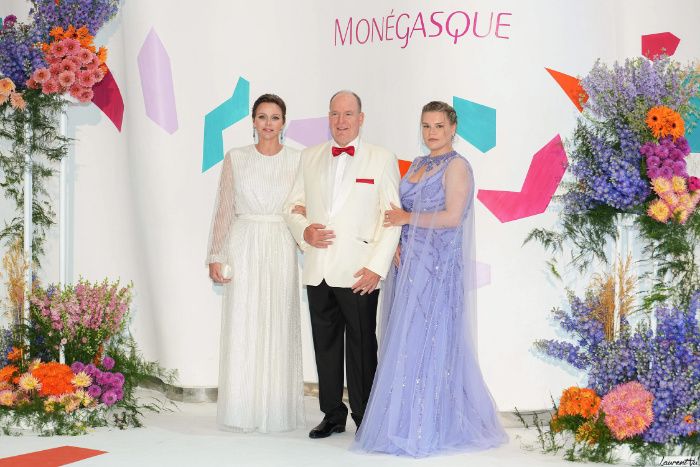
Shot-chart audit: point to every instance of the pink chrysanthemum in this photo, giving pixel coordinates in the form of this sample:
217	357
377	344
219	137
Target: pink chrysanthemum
68	64
85	79
66	79
58	49
72	46
50	87
85	95
628	409
84	55
41	75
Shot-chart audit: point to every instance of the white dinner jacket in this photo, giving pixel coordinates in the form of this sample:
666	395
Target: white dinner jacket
368	187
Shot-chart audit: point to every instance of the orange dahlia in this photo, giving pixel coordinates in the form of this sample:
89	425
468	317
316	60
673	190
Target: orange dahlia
55	379
579	401
7	372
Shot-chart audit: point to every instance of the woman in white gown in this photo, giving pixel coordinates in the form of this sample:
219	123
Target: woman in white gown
260	372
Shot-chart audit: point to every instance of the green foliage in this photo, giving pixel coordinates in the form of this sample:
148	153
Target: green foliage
31	131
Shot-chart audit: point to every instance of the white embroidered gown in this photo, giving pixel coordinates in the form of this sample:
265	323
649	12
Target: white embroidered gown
260	370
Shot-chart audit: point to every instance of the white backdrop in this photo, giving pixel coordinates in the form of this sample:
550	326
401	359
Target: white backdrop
142	206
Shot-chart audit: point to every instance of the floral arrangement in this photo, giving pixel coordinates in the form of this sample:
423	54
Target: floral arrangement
74	64
42	60
643	386
97	387
79	317
628	160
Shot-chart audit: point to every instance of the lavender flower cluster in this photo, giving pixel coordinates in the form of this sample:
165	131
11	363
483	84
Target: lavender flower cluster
666	360
91	13
606	163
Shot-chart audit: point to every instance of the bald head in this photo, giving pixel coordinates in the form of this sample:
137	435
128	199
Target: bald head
347	92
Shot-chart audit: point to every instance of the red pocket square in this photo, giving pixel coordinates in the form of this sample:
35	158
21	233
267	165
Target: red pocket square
365	180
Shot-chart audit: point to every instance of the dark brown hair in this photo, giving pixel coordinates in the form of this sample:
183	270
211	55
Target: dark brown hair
439	106
272	99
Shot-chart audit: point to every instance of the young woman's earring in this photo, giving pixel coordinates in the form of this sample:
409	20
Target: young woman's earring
281	135
255	136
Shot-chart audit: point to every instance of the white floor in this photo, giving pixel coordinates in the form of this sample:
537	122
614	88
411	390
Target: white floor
188	437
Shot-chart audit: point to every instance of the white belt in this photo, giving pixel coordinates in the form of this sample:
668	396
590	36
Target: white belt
260	217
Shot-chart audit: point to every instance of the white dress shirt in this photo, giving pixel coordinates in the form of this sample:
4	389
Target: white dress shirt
338	167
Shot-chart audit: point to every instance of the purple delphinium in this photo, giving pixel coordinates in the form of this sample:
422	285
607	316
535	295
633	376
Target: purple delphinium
19	56
91	13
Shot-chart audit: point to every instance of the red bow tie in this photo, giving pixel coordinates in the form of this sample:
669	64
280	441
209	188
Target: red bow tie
350	151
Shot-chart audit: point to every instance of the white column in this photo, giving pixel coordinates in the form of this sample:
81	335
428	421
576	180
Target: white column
28	229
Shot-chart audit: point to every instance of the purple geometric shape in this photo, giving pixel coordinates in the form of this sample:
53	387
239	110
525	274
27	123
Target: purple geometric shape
309	131
157	83
483	274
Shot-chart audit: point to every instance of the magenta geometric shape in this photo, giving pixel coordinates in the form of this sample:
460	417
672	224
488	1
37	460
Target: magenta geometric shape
546	171
663	43
157	83
309	131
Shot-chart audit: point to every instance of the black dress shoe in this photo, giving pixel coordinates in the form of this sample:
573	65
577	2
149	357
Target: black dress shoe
325	429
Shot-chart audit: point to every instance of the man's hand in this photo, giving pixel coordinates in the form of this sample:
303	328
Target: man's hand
367	283
316	236
215	274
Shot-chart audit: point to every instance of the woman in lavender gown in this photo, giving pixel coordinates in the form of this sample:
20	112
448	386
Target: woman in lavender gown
428	395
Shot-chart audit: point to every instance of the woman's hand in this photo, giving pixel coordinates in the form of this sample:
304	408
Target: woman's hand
396	217
397	256
299	209
215	274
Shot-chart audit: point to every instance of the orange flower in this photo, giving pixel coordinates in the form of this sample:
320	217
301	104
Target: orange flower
15	354
664	121
7	372
102	54
688	419
56	33
55	379
579	401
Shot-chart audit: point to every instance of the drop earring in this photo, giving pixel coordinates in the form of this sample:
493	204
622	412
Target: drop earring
281	135
255	136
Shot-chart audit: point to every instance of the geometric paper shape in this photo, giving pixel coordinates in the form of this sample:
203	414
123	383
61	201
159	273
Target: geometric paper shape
663	43
108	98
232	110
309	131
571	86
483	274
476	123
403	167
50	457
546	170
692	126
157	83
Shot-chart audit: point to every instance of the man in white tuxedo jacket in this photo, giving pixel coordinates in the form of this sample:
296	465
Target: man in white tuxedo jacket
346	185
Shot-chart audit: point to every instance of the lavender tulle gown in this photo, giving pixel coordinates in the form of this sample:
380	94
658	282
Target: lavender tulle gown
428	395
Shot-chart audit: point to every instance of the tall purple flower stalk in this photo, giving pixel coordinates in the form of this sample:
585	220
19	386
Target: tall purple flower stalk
19	57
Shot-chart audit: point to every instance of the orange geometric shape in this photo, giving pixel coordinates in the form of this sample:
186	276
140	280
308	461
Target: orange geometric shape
50	457
571	86
403	167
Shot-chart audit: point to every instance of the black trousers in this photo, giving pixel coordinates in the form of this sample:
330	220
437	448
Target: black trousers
337	312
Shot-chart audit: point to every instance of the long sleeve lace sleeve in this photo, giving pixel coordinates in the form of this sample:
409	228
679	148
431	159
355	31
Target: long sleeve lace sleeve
223	215
458	186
